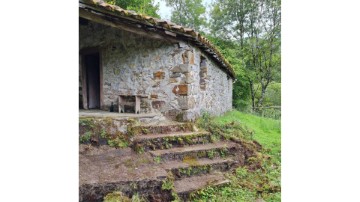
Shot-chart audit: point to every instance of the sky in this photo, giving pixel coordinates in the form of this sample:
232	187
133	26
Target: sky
165	11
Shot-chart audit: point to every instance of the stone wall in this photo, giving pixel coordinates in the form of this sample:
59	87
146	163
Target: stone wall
165	75
210	89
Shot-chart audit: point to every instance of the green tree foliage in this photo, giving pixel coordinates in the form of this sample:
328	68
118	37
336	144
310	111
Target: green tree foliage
273	95
147	7
254	26
189	13
272	101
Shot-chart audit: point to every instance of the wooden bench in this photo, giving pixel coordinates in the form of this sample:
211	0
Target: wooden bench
129	103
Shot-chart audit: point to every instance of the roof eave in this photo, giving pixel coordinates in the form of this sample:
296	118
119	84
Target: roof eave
158	28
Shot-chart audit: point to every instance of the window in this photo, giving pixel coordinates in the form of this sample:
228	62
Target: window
203	72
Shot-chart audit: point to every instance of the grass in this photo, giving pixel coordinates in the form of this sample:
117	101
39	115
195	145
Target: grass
248	185
267	131
157	159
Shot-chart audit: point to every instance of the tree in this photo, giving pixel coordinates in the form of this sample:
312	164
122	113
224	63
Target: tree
147	7
255	26
189	13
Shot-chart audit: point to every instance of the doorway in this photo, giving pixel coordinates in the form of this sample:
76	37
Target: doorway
91	72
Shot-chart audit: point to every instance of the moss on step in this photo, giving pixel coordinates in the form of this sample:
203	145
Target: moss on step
159	129
116	196
168	185
193	170
209	153
197	169
167	142
100	131
191	160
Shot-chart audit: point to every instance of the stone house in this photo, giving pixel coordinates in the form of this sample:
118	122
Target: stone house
134	63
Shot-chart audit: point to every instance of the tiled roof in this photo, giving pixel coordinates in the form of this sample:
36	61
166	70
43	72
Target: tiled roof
162	27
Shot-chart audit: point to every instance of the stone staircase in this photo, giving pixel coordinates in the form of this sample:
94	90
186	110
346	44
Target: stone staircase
194	157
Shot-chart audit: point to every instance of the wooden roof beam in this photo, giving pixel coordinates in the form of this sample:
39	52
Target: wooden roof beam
102	19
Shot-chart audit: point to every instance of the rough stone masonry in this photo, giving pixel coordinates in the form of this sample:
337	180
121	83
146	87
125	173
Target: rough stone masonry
176	79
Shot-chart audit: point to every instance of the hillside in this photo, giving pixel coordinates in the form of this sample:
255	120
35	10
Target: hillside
249	184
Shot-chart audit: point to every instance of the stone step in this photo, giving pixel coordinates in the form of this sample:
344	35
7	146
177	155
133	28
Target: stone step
185	186
162	128
213	150
191	167
170	140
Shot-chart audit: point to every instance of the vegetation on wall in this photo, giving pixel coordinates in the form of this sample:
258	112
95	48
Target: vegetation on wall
147	7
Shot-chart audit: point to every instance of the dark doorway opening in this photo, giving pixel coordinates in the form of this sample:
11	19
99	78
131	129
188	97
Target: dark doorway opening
92	69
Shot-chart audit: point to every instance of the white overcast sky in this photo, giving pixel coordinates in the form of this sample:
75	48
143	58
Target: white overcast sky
165	11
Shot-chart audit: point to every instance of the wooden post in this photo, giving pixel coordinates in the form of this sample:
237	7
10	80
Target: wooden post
120	106
84	86
137	104
101	79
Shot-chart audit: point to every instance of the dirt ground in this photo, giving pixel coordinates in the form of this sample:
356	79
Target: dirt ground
105	164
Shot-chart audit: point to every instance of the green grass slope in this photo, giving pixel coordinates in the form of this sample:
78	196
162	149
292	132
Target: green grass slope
266	131
248	185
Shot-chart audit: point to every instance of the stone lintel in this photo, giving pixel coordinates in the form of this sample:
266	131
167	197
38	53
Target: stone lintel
182	68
